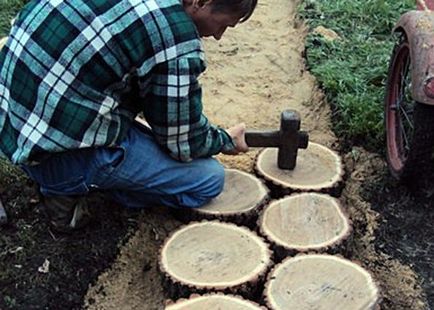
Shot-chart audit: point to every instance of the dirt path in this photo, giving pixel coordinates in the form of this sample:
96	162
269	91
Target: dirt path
255	72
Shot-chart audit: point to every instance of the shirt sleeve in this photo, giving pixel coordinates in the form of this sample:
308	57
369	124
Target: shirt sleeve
173	108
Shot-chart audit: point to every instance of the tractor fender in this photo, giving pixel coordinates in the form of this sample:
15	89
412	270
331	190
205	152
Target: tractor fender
418	27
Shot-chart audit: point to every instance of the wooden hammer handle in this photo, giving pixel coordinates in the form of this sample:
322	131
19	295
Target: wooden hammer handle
272	139
262	138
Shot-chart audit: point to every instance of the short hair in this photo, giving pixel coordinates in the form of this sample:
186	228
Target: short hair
244	7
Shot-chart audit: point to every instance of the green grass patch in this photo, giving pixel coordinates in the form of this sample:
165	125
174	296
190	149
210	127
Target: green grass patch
8	10
352	70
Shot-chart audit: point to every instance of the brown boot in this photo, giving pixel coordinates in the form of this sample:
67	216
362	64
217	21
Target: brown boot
67	213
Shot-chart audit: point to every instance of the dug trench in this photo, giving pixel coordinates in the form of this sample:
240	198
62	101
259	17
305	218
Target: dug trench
254	72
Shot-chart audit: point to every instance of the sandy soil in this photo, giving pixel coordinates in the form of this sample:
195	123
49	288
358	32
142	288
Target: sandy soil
256	71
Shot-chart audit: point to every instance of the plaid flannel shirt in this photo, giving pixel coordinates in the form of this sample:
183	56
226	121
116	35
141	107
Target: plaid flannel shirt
75	73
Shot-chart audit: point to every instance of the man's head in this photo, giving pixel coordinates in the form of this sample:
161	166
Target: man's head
213	17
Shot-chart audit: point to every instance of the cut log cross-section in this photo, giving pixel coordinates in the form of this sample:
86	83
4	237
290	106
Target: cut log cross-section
214	302
318	169
305	222
213	256
242	198
320	282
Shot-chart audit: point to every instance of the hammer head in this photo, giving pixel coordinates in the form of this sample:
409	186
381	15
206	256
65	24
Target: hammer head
291	139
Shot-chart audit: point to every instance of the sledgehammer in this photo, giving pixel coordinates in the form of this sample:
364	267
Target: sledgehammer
288	139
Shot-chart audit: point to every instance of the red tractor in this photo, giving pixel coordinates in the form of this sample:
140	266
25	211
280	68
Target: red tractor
409	101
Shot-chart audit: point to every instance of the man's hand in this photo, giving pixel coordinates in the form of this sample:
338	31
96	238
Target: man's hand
237	134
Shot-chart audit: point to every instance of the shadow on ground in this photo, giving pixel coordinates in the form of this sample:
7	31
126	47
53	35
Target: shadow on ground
406	230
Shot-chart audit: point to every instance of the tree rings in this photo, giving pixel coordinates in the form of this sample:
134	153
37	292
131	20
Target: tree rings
318	169
214	302
304	222
320	282
214	256
242	198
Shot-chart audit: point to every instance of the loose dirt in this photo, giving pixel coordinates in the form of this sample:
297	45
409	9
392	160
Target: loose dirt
256	71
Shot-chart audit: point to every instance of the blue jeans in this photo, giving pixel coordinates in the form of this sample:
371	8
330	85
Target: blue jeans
138	173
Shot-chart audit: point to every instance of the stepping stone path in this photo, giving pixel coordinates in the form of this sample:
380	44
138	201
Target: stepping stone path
281	246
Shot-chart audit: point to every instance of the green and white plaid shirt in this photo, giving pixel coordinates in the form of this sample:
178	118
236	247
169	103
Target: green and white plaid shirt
75	73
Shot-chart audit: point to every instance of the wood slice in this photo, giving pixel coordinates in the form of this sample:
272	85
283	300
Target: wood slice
242	198
213	256
214	302
320	282
318	169
305	222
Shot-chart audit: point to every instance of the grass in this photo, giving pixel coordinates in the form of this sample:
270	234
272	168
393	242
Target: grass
8	10
352	70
